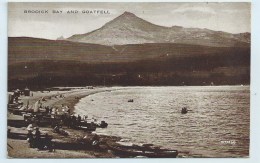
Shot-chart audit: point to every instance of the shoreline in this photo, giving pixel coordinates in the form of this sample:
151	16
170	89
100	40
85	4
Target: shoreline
20	148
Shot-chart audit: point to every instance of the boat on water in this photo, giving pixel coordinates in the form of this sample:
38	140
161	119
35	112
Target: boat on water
103	124
85	128
184	110
141	151
130	100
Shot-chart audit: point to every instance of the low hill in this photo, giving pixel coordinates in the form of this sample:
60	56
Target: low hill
43	63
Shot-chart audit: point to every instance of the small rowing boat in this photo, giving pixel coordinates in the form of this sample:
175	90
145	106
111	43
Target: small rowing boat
137	151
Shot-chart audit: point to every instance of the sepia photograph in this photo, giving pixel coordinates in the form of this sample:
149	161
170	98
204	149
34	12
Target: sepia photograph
128	80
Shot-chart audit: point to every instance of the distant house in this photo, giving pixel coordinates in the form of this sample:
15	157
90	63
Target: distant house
17	93
10	99
90	87
27	91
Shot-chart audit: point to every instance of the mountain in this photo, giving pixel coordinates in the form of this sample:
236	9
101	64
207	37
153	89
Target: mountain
130	29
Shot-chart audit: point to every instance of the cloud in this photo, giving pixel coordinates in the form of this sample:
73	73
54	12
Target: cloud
199	9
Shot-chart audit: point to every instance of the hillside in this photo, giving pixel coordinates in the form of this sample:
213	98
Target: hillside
42	63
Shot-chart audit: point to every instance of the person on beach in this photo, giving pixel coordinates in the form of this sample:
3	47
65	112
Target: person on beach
48	143
73	121
54	111
68	109
94	119
30	127
30	138
79	119
57	128
68	121
47	109
85	118
50	111
37	133
37	138
62	108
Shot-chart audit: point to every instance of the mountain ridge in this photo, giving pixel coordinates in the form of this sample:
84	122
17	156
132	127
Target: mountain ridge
130	29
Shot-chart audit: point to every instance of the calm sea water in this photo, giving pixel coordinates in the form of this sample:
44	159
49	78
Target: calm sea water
217	124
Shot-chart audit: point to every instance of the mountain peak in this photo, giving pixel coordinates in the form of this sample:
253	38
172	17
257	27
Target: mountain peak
126	13
127	19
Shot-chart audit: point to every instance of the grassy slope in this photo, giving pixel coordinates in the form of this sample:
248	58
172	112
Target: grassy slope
73	63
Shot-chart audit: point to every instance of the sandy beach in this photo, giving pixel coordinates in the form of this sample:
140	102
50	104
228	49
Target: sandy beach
20	148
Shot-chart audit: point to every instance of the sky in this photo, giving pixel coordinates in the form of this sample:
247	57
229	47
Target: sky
228	17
